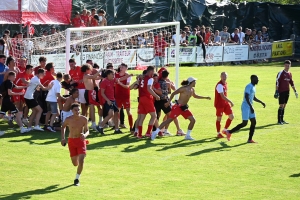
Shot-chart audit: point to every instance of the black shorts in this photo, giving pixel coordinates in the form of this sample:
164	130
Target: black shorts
86	97
7	105
284	97
113	106
31	103
160	105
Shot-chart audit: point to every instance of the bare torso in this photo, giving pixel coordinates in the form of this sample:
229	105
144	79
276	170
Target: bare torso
88	83
68	103
76	125
185	95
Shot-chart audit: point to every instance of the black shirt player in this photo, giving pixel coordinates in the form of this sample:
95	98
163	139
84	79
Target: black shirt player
6	90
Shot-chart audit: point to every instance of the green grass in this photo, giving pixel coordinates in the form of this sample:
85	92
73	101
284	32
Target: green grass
36	166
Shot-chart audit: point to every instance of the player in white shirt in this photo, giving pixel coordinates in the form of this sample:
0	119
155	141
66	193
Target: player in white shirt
32	103
51	99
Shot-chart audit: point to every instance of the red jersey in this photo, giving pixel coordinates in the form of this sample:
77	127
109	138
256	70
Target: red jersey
207	37
77	76
47	79
36	69
284	80
143	87
94	22
156	86
108	86
21	68
85	20
219	101
120	92
19	82
160	72
77	22
159	47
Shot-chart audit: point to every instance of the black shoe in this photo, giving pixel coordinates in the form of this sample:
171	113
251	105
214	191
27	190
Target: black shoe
118	131
10	123
280	123
284	122
100	130
76	182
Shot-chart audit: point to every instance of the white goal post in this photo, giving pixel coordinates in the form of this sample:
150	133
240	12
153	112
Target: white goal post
89	35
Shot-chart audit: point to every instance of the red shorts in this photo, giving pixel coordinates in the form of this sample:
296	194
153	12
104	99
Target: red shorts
226	109
125	102
146	106
91	98
76	146
17	98
177	111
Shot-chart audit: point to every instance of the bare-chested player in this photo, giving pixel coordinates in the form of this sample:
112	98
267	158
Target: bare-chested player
90	94
66	111
181	107
78	126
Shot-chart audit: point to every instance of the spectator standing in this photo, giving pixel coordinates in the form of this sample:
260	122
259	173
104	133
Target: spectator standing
84	16
183	41
207	35
102	19
265	34
159	48
258	38
94	18
3	67
235	36
217	38
192	40
77	21
241	35
225	36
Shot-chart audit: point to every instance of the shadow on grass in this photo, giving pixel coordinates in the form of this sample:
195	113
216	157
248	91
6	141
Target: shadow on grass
295	175
223	147
30	193
259	127
184	143
148	143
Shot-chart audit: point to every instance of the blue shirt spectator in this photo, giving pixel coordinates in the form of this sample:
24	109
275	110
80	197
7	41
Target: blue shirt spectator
3	67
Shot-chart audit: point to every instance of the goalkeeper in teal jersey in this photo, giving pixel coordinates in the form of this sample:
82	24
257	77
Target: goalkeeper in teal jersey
192	39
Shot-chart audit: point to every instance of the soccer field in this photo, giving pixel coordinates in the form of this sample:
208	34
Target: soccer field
36	166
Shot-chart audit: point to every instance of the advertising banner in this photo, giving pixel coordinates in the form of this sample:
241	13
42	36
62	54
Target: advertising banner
186	55
235	53
213	54
260	51
282	49
116	57
145	57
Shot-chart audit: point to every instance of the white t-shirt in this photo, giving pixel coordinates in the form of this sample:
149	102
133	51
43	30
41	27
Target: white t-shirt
34	82
51	96
220	88
150	81
182	39
129	80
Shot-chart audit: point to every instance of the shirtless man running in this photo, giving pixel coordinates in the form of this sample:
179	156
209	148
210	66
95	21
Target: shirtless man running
181	108
66	111
78	126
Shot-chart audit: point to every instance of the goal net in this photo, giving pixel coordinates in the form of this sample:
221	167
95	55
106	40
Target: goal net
129	44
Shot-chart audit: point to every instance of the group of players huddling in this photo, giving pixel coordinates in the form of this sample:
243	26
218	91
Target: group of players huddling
109	91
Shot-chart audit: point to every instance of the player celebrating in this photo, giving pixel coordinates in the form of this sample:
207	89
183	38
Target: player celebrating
283	82
248	110
66	111
222	104
78	126
181	107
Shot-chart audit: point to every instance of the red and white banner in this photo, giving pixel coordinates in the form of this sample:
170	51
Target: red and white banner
35	11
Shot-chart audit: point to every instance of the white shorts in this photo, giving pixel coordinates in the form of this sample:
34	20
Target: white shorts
65	114
81	98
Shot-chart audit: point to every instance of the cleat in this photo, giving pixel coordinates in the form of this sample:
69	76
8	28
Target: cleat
24	130
160	134
139	136
51	129
2	133
122	126
118	131
94	127
251	141
135	134
10	123
167	133
188	137
100	130
284	122
280	123
148	135
220	135
76	182
224	131
180	133
153	135
38	128
132	131
228	135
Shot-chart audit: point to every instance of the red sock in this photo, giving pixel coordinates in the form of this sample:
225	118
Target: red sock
150	127
228	122
218	126
130	120
140	130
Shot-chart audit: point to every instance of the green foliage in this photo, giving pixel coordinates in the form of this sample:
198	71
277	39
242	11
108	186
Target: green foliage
283	2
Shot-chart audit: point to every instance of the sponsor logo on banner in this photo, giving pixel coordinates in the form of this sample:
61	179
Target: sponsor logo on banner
59	60
260	51
235	53
145	56
213	54
127	56
282	49
186	55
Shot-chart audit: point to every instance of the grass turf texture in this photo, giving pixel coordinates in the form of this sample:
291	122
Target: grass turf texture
36	166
